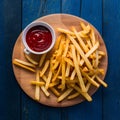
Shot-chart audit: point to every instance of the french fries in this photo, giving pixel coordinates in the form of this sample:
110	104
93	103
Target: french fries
71	69
23	65
81	82
48	79
37	83
85	48
81	52
65	94
73	96
65	31
42	59
30	59
37	88
44	68
63	74
45	91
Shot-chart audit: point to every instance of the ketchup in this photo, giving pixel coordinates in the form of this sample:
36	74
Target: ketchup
39	38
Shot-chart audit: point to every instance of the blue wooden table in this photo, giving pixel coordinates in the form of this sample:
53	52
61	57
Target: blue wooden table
15	15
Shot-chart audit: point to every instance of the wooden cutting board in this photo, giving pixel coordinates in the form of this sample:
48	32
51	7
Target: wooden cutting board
24	77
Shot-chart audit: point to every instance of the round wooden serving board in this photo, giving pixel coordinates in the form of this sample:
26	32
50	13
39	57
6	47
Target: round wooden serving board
24	77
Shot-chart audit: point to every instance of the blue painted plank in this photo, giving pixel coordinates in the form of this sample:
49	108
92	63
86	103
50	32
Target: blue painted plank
38	8
71	7
32	10
10	27
111	34
92	12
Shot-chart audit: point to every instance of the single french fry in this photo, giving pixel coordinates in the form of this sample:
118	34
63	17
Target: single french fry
82	35
68	81
61	48
65	31
85	69
73	75
45	91
37	83
92	36
78	57
60	77
30	59
37	88
53	60
101	53
67	70
60	86
89	42
52	84
51	63
99	57
66	47
56	75
83	25
87	29
55	91
101	71
89	84
48	79
56	46
96	60
25	63
101	81
69	55
73	96
44	78
65	94
23	66
42	72
81	82
87	96
93	62
63	74
42	59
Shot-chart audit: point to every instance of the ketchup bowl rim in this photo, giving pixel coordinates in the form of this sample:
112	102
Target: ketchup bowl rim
37	23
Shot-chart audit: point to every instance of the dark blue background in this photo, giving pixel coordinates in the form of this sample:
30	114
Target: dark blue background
15	15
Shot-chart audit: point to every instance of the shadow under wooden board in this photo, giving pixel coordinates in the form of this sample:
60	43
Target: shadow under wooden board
24	77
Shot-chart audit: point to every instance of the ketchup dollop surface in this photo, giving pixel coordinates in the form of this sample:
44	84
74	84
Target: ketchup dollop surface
39	38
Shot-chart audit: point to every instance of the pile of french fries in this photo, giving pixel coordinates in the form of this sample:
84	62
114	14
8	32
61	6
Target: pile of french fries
72	68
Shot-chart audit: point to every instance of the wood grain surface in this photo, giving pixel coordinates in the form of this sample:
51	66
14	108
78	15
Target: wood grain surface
24	77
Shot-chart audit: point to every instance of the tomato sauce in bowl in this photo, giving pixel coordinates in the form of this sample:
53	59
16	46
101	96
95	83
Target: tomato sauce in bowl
39	38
